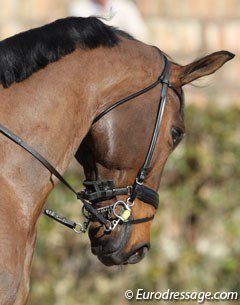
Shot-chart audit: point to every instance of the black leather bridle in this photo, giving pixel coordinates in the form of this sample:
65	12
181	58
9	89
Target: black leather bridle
98	191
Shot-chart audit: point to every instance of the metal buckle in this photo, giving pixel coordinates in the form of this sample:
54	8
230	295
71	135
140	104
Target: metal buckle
129	188
125	214
112	225
130	203
138	182
81	228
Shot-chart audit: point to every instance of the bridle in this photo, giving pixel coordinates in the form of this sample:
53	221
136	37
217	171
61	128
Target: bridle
97	191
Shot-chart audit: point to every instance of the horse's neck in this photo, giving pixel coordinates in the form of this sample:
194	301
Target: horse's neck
51	112
51	109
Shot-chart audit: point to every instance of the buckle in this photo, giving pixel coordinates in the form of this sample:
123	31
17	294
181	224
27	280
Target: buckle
138	182
123	215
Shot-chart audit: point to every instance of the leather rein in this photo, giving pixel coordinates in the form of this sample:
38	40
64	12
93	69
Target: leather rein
97	191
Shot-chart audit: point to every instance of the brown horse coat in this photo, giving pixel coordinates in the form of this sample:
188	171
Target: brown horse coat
53	110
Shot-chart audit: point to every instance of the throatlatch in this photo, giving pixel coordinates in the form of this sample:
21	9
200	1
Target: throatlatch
101	190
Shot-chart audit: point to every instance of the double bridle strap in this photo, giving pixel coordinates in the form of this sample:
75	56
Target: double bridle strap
100	190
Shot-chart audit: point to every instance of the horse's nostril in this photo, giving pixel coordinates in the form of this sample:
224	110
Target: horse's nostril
137	255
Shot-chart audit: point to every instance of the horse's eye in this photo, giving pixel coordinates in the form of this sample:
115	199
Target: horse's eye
177	135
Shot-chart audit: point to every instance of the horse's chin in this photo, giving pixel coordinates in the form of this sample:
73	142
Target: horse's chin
110	247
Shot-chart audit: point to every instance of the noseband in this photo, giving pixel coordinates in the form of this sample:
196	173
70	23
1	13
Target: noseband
97	191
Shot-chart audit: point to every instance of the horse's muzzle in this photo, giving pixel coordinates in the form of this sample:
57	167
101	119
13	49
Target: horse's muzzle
111	248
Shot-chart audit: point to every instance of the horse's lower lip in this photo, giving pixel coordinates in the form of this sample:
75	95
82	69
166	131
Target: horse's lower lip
117	258
137	255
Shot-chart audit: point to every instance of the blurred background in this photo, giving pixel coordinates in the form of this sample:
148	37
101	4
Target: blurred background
195	237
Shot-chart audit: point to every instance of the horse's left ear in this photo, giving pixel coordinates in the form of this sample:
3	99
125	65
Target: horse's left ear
201	67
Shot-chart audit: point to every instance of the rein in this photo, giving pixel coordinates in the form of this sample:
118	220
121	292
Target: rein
101	190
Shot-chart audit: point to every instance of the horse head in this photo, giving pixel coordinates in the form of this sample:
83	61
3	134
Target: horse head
115	149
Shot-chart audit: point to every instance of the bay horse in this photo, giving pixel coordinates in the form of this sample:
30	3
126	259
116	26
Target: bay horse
59	87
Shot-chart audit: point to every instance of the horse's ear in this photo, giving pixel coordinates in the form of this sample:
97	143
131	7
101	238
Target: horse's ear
201	67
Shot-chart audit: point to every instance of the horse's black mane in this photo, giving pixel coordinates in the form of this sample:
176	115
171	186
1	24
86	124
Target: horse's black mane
27	52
